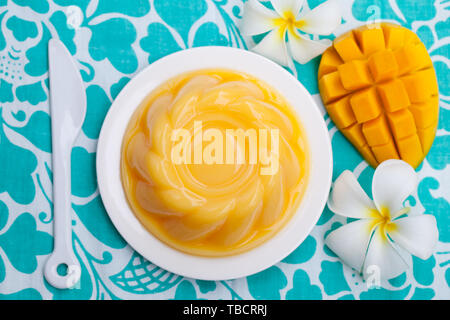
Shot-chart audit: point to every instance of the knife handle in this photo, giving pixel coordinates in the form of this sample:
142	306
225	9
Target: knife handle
62	221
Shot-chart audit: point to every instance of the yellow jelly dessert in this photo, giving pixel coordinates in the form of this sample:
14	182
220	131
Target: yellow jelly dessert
379	87
214	162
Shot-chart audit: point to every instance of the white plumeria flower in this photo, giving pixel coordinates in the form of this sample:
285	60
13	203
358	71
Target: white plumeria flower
385	231
286	19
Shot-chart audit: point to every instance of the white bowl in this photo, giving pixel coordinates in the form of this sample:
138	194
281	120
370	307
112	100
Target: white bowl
206	268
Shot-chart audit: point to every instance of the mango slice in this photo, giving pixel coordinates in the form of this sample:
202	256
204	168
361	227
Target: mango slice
379	87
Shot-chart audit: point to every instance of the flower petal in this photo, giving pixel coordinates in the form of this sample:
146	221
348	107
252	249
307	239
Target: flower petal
348	199
257	18
322	20
273	46
393	181
350	242
416	234
383	258
287	7
303	49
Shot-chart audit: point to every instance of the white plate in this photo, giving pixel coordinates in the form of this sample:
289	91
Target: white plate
259	258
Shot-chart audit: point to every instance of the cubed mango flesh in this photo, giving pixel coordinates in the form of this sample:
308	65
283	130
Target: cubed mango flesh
366	105
370	40
426	113
410	150
367	153
383	65
412	57
355	75
347	48
342	113
385	152
380	88
355	135
394	36
377	131
393	95
402	124
426	137
330	61
331	87
421	86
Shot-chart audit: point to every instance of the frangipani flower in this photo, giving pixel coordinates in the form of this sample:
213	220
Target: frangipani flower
386	230
286	20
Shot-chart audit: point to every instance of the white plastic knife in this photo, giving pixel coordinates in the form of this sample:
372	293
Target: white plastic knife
68	110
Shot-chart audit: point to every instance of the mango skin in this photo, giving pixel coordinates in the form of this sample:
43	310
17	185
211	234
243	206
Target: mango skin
380	89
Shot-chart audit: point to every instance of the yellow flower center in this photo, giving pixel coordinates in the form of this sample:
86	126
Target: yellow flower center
383	219
288	22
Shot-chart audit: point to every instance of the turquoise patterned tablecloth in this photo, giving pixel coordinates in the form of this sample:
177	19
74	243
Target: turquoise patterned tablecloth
112	40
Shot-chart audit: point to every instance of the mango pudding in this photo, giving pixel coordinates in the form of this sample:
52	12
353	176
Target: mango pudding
379	87
214	162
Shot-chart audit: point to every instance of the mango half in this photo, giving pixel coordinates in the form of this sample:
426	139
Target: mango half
379	87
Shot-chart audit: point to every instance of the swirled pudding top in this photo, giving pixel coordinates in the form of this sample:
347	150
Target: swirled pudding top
214	162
